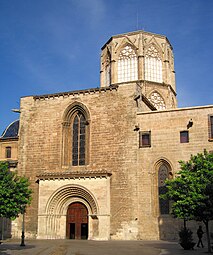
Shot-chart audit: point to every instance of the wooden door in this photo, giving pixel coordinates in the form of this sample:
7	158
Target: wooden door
77	221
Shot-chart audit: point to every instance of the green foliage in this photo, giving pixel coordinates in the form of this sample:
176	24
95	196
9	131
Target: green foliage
192	190
15	193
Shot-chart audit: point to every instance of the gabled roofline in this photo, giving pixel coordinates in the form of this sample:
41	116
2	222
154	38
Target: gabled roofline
134	33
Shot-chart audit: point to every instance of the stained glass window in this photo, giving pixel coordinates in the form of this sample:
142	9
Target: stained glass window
127	65
153	65
162	176
78	140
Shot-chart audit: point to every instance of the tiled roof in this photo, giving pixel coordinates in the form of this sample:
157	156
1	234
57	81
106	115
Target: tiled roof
11	131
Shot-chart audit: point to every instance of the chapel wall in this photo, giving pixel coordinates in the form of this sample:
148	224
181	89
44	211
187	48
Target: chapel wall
165	130
112	147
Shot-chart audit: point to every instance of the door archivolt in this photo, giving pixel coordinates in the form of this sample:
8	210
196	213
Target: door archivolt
60	200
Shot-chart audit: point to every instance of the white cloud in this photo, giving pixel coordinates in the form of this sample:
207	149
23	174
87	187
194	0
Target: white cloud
93	11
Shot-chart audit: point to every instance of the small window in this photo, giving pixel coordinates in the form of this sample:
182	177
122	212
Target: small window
144	139
184	136
211	127
8	152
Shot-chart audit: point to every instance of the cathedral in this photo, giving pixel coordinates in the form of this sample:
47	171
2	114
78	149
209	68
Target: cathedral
97	159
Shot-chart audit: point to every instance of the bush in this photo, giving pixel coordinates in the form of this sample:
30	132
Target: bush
186	239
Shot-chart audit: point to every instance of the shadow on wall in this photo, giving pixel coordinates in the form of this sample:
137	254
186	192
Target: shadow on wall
169	227
5	228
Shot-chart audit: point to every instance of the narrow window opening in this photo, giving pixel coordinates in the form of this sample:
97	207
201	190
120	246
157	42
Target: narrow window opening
162	176
78	141
8	152
211	127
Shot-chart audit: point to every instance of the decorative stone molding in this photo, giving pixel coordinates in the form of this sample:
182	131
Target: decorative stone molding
74	175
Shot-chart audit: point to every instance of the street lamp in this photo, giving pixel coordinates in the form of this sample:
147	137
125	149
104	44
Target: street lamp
22	232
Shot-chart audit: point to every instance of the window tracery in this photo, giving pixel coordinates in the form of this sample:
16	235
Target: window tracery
127	65
163	174
156	99
153	65
75	143
78	140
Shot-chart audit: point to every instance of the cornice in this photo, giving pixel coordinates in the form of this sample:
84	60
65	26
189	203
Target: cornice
74	175
75	92
9	139
177	109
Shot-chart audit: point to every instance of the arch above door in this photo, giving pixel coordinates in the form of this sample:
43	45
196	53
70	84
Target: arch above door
61	198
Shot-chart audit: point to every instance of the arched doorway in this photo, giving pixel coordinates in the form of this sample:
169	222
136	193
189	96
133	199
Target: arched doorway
77	221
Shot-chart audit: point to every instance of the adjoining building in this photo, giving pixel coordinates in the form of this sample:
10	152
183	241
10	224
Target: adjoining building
98	158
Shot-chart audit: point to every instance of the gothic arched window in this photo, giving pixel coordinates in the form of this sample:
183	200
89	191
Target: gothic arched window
153	65
156	99
78	140
127	65
75	143
163	174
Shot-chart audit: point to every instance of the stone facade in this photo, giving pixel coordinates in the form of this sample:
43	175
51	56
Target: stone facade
110	148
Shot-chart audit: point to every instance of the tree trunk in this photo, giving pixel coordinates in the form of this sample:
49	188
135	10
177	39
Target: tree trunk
184	223
206	222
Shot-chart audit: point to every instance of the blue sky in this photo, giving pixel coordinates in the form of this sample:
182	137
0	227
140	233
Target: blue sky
49	46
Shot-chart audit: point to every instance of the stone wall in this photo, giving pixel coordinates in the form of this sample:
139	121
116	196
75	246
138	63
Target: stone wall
165	127
111	147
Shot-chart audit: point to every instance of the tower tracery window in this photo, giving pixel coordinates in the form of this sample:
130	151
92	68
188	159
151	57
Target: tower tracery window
127	65
162	176
156	99
153	65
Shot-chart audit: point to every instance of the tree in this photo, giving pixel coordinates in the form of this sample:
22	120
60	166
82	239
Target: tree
15	193
191	191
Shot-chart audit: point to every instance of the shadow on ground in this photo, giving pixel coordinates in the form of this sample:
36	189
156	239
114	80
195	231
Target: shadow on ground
6	247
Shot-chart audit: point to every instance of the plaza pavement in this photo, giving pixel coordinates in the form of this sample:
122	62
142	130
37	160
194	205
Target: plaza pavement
86	247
